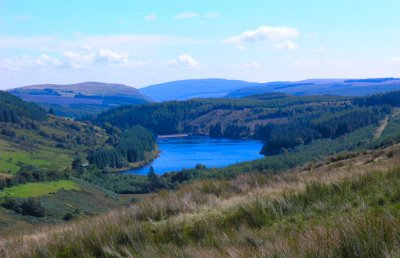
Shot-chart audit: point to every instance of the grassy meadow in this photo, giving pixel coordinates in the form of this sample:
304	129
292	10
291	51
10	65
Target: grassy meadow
11	157
38	189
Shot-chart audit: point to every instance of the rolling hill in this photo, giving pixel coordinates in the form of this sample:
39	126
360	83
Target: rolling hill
188	89
90	98
217	88
357	87
80	99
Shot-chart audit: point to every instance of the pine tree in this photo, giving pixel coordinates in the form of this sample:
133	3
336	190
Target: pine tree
153	180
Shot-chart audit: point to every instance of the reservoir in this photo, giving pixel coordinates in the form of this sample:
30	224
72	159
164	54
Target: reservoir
186	152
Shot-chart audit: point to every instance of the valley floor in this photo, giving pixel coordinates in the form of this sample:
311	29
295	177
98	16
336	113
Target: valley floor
346	206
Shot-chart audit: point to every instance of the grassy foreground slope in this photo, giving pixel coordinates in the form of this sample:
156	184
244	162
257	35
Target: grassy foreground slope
61	200
346	207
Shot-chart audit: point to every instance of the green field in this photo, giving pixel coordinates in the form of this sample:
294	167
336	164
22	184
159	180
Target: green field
38	189
10	158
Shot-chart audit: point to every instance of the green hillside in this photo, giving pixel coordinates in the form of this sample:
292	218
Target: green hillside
13	109
198	115
43	157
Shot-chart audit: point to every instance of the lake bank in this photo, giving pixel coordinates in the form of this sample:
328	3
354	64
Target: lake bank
172	136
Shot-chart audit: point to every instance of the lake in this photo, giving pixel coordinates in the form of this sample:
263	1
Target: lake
187	152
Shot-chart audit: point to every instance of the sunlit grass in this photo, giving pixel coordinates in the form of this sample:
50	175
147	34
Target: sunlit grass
9	160
38	189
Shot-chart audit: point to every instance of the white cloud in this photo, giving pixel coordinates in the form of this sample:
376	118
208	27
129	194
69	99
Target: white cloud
151	17
107	55
25	61
122	42
187	15
394	61
185	61
79	60
285	45
263	34
101	56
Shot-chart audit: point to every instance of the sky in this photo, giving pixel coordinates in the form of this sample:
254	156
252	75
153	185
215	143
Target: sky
139	43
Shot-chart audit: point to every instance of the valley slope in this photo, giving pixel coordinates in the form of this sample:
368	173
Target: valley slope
42	161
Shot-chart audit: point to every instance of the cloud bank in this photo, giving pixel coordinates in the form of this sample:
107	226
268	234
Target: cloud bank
266	34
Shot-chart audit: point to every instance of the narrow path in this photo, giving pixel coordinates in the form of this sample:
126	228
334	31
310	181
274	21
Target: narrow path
383	124
381	128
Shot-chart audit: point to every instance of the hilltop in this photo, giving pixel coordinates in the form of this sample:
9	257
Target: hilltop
188	89
80	98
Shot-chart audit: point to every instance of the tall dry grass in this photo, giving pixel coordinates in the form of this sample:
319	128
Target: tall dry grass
345	207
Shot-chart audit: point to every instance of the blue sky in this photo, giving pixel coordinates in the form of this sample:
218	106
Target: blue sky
145	42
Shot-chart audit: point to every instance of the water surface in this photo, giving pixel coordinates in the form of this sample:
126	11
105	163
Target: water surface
187	152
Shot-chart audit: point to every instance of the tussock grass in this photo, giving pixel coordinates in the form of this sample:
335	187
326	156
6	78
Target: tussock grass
351	210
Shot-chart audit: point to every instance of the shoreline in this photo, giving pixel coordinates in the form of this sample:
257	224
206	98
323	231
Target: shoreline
139	164
178	135
172	136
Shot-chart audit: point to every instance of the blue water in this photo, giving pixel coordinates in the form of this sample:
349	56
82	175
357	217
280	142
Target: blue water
187	152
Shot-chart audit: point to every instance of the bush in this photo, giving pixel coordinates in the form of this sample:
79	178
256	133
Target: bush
11	204
32	207
68	216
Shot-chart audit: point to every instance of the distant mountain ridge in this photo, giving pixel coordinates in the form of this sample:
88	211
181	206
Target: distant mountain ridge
196	88
80	98
90	98
342	87
219	88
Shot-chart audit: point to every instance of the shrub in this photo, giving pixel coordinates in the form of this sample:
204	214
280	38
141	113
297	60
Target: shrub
32	207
